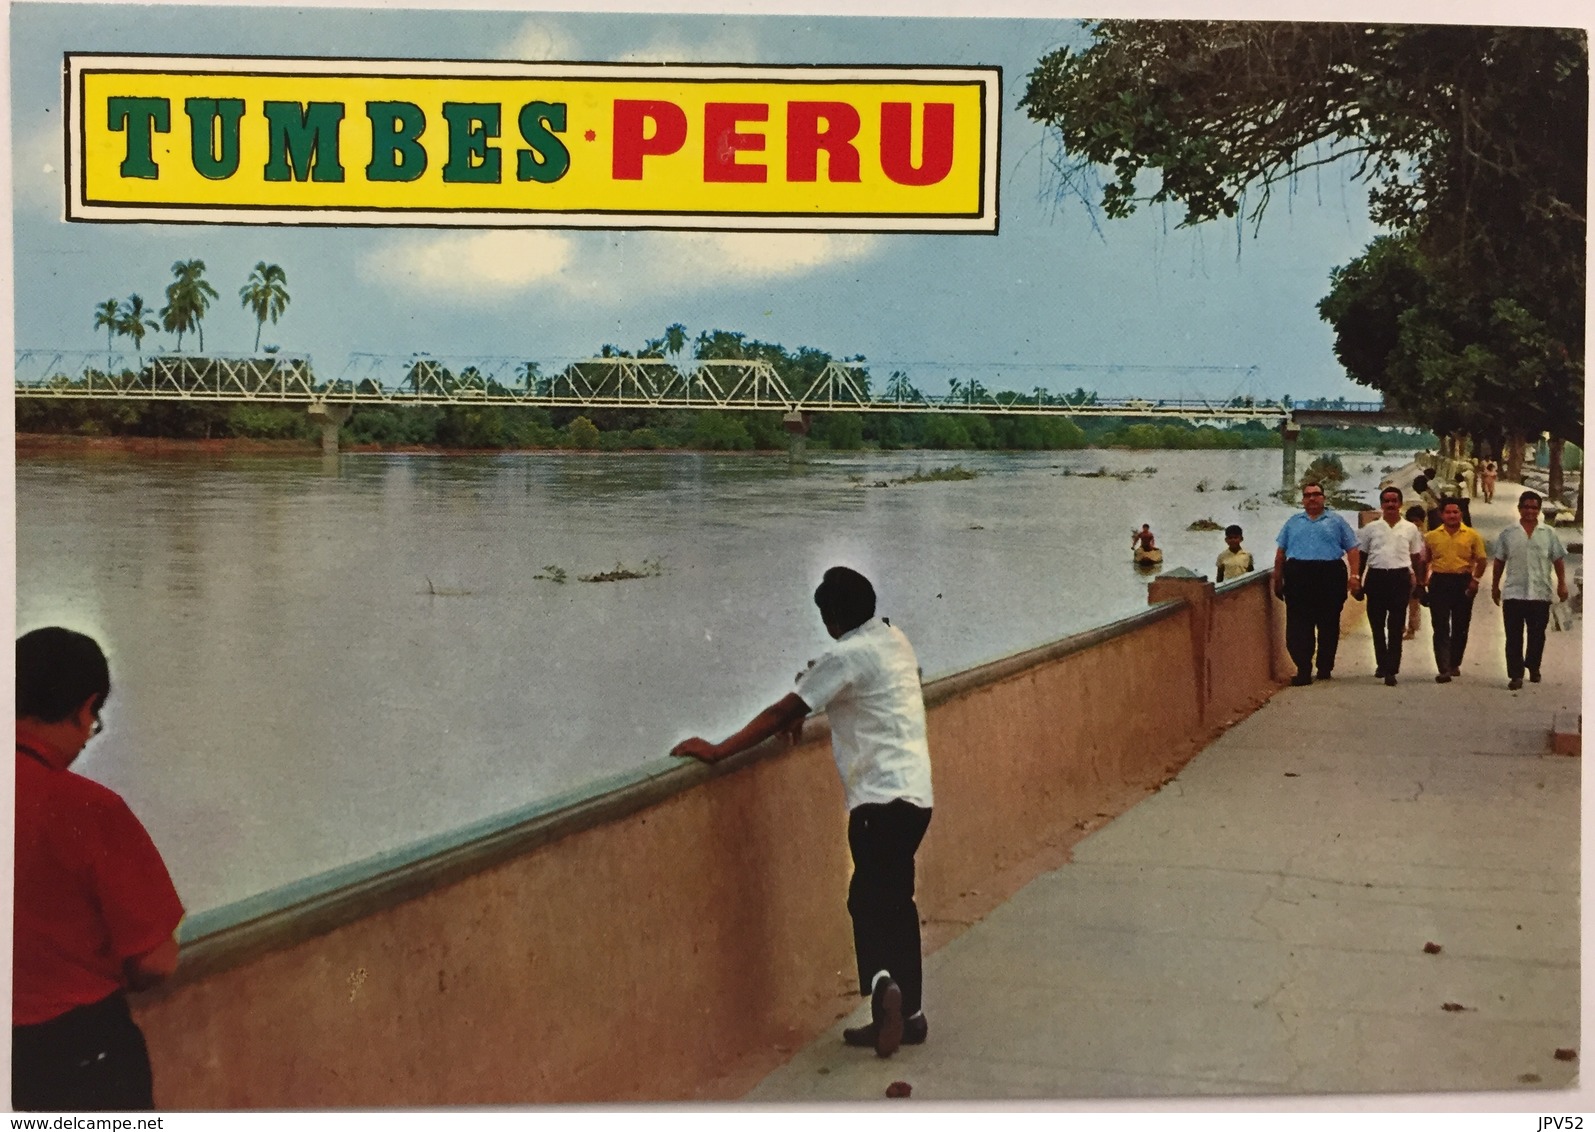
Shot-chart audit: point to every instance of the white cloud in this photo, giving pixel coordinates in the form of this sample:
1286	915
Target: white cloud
614	266
730	46
474	262
646	265
754	255
539	41
37	172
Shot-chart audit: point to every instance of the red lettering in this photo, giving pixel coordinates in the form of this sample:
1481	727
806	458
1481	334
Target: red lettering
722	142
805	139
633	142
897	143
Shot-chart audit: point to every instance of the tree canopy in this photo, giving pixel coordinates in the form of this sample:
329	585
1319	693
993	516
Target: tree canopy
1471	140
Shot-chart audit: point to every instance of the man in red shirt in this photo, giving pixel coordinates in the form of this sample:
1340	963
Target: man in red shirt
96	913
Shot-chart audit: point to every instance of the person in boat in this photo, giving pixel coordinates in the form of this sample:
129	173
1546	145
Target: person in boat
96	914
1143	539
868	682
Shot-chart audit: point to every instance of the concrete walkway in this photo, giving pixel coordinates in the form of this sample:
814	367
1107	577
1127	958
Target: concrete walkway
1260	926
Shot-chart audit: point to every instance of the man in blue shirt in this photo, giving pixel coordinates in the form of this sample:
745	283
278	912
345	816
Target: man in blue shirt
1311	577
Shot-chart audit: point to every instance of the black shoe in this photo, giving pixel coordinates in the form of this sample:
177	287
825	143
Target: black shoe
1300	680
1390	681
1443	678
914	1032
1534	677
1455	672
1322	675
886	1015
1380	674
1514	684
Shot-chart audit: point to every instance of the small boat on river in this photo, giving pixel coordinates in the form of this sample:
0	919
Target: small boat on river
1152	557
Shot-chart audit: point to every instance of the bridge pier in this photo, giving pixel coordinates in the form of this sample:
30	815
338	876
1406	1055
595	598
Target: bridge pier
1289	430
332	416
797	431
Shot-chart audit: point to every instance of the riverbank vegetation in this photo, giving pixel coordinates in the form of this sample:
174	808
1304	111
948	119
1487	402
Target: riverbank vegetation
612	430
1468	312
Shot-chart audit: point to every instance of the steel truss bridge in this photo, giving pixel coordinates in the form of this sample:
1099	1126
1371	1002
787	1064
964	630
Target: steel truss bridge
591	383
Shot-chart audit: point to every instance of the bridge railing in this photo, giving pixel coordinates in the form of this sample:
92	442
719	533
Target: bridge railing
594	383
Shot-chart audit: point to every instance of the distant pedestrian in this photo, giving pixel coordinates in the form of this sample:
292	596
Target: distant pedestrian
1455	561
1311	577
95	911
1233	561
1487	481
1393	551
1424	487
1415	515
1527	552
869	684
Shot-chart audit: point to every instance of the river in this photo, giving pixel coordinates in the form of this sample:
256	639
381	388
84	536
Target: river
314	663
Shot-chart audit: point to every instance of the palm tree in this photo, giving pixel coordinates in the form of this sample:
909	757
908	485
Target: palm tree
186	300
132	319
266	294
106	315
675	339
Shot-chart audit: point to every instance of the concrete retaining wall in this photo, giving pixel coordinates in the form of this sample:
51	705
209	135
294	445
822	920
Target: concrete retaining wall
672	935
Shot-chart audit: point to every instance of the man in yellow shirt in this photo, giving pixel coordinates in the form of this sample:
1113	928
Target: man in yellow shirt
1456	560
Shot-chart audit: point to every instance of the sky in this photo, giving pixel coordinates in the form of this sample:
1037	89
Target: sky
1060	297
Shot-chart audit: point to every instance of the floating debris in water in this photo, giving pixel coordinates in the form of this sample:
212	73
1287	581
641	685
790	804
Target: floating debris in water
1432	949
1567	1055
956	472
899	1089
436	591
650	568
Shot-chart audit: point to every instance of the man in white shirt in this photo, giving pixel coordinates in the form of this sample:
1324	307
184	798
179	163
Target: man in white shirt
1393	549
1527	552
868	684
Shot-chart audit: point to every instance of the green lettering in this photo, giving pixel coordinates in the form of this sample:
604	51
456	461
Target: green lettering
396	151
137	116
207	136
302	141
547	160
471	159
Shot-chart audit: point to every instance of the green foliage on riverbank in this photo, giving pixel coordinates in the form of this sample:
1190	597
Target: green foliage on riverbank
714	430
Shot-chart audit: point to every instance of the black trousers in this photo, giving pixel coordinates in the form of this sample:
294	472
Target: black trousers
1314	593
883	838
1450	612
1386	592
90	1059
1520	615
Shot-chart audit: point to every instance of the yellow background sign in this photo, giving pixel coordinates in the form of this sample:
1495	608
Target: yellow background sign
241	140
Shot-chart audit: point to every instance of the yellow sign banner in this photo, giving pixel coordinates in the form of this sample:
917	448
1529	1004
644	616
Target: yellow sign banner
531	145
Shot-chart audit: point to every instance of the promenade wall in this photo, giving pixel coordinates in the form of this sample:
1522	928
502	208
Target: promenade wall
673	933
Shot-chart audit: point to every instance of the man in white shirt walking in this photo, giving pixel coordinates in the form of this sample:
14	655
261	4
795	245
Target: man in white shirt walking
1393	550
1527	552
868	683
